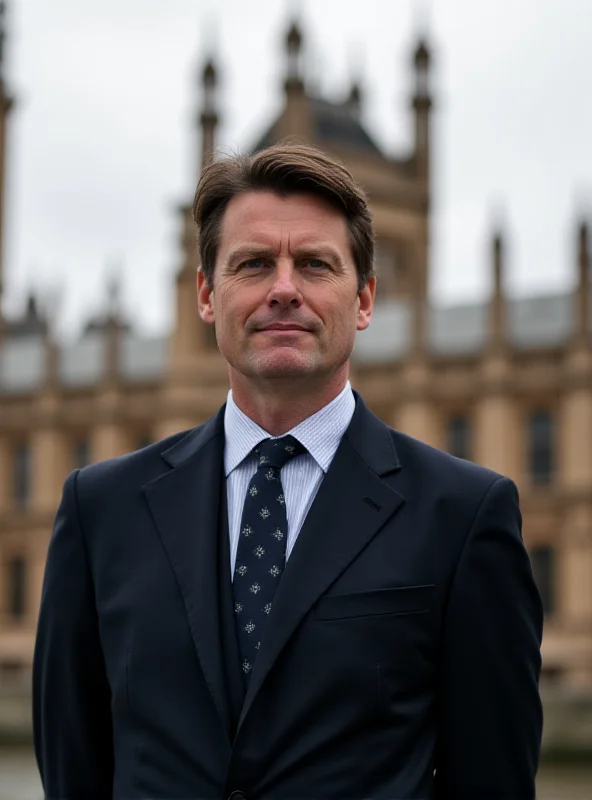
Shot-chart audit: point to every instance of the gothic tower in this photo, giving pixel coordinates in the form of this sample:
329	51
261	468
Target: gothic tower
6	103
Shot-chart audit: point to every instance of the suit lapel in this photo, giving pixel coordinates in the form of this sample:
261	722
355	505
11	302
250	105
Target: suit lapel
351	506
234	677
185	505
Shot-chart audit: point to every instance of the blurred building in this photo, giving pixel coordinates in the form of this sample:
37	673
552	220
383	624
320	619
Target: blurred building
506	383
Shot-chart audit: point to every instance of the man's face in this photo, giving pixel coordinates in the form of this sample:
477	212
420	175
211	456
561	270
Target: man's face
285	299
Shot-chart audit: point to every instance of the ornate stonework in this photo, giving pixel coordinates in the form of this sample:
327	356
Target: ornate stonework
505	383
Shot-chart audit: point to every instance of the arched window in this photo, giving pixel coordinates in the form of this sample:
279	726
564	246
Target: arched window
81	453
542	558
385	266
16	586
458	436
541	447
22	474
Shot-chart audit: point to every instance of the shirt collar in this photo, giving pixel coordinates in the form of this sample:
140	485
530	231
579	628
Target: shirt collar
319	433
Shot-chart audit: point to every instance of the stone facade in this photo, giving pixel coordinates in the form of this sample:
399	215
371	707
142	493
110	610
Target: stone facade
506	383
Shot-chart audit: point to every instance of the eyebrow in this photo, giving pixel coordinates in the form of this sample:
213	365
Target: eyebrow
261	251
323	251
250	251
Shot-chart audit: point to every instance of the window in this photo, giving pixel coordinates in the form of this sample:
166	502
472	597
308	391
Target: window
209	340
11	670
541	459
81	454
22	475
542	559
17	587
385	264
458	437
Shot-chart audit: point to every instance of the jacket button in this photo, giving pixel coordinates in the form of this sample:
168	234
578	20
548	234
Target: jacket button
236	795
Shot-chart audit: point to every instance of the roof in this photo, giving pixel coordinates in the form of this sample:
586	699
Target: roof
80	363
533	323
337	123
332	123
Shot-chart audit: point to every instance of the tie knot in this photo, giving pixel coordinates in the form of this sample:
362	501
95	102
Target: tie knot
277	452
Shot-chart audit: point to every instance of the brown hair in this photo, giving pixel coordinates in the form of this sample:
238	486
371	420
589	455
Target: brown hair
284	169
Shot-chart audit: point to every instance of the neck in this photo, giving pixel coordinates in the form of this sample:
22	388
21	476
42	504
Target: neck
279	408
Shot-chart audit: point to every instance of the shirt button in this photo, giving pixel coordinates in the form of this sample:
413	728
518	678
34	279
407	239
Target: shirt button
237	795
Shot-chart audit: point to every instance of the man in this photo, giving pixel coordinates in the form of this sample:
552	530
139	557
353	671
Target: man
291	600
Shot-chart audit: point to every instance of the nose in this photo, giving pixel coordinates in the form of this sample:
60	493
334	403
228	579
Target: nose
284	291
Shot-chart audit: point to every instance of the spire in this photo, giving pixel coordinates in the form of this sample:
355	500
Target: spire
354	99
2	35
52	303
209	114
51	357
422	104
421	61
497	314
6	103
355	61
294	78
582	295
5	100
114	295
113	325
296	121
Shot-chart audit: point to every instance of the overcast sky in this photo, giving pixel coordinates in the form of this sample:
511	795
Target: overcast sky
103	148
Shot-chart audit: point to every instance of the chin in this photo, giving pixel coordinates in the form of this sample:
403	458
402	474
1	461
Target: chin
284	366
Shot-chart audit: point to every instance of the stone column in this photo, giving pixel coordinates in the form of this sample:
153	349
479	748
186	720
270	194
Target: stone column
5	473
416	415
109	437
498	434
575	558
575	469
49	454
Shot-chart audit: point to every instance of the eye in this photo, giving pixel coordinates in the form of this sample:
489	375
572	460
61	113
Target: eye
315	263
253	263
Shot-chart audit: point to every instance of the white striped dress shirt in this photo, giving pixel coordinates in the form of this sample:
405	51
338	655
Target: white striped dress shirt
320	434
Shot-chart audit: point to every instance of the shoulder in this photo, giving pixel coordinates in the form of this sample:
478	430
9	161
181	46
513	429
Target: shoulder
462	496
434	464
459	488
132	470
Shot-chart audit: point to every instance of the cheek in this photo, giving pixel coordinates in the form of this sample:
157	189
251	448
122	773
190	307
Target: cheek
233	307
341	311
225	305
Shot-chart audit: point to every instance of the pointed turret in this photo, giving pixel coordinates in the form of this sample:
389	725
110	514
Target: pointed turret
209	114
354	99
497	311
113	329
6	103
51	313
296	120
582	293
294	78
422	104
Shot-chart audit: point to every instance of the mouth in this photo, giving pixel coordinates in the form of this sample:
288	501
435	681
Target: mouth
279	328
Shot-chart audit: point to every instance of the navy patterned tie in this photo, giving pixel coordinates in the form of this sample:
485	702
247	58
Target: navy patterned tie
261	553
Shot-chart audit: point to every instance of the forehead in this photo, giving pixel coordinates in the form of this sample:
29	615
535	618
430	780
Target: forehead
272	218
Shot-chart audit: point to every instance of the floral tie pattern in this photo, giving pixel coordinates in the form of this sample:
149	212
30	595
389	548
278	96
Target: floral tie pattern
261	554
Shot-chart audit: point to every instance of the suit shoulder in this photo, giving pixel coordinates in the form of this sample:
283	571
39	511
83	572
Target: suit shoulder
437	464
137	466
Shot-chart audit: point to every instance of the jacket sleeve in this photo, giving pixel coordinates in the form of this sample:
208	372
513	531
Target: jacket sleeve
71	695
489	709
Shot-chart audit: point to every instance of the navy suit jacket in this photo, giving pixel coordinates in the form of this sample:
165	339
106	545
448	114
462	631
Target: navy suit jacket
401	658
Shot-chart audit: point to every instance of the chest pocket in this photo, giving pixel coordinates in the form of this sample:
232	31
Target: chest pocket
397	601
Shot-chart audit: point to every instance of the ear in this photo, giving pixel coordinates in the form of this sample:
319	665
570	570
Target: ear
366	304
205	297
